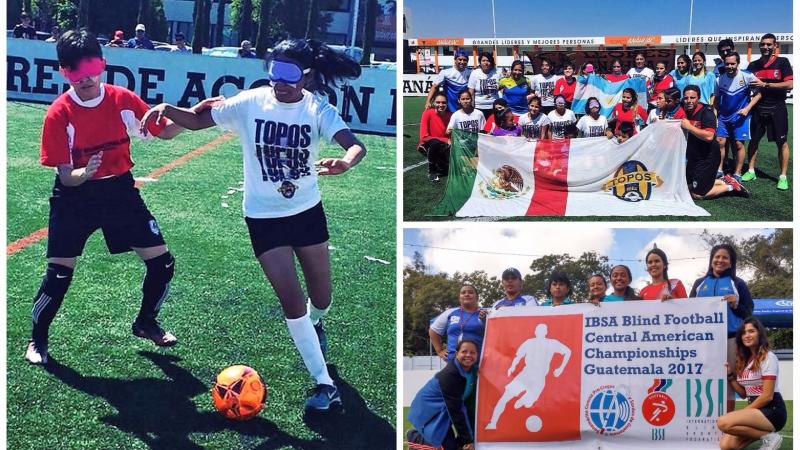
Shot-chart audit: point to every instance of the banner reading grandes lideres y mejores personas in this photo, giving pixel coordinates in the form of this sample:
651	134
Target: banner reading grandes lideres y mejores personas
622	375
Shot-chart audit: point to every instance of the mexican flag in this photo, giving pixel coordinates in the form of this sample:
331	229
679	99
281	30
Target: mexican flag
511	176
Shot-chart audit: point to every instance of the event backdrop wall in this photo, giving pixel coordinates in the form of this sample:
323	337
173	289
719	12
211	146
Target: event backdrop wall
367	104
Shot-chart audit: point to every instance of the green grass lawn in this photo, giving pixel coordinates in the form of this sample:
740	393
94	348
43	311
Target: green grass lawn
786	432
107	389
765	204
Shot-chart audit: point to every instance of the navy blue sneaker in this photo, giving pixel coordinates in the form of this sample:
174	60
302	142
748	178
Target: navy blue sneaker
323	340
323	397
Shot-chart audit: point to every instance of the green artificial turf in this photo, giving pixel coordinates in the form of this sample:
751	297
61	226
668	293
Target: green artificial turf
765	204
107	389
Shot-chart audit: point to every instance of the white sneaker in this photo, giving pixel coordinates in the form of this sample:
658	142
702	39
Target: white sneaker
36	355
771	441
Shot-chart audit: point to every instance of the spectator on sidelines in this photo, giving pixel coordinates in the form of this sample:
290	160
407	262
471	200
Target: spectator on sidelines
721	281
682	69
733	103
616	72
55	33
561	119
484	84
24	29
724	47
621	279
246	50
459	323
668	106
535	124
559	287
770	114
180	44
439	411
597	289
702	151
661	286
628	110
640	70
544	85
505	124
433	142
516	89
452	80
661	81
140	39
497	105
119	40
593	124
467	118
566	85
755	376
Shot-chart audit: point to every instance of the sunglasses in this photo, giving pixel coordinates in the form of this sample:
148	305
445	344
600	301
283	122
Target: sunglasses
285	72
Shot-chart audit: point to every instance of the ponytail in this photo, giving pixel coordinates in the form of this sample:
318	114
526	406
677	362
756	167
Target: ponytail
329	67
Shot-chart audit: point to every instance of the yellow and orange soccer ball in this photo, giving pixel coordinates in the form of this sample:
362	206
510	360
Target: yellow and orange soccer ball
238	393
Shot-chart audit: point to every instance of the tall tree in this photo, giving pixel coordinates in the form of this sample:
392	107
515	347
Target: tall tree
220	23
246	20
83	13
371	16
263	39
201	25
144	8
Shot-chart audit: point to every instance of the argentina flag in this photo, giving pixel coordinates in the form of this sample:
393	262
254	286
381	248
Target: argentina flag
607	92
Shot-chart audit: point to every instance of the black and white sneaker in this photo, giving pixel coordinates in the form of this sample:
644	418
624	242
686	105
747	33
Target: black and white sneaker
151	329
323	397
36	353
323	340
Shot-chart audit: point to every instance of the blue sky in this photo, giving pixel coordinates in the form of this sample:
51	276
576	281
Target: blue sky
515	18
680	244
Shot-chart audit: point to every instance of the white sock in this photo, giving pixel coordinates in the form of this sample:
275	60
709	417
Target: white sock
317	314
730	188
307	343
751	170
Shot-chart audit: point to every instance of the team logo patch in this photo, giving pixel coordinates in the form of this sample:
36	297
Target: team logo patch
609	410
658	408
632	182
288	189
507	183
154	227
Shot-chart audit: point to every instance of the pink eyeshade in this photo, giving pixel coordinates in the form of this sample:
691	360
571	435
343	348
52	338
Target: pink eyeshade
88	67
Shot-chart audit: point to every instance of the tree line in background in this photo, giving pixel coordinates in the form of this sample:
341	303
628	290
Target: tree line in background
263	22
426	294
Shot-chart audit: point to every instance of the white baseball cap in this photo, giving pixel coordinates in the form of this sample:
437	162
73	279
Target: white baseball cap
140	27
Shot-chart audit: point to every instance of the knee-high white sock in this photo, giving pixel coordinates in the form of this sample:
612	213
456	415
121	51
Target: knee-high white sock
316	313
307	343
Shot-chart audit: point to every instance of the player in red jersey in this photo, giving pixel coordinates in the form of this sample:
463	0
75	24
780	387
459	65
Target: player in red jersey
85	138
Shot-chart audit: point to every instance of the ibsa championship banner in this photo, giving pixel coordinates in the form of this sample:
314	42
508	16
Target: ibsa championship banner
367	104
624	375
504	176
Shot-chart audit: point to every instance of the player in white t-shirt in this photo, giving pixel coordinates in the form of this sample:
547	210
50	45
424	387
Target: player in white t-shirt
642	71
280	127
452	80
561	119
535	124
593	124
467	118
484	83
756	378
544	85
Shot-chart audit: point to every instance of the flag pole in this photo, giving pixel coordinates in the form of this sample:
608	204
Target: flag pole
494	30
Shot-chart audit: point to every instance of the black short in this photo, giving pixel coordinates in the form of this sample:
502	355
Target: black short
309	227
772	119
112	205
701	172
775	411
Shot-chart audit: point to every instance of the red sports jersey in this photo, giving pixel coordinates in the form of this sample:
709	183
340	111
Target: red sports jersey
75	130
627	116
433	126
490	125
665	83
614	78
566	89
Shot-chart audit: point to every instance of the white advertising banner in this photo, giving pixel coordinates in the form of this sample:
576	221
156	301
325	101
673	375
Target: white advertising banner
622	375
367	104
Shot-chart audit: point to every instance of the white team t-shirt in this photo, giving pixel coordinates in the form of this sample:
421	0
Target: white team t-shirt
753	380
645	72
532	128
485	85
589	127
280	143
559	124
544	87
472	122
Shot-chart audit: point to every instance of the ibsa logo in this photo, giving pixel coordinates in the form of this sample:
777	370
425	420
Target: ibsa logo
507	183
658	408
632	182
609	410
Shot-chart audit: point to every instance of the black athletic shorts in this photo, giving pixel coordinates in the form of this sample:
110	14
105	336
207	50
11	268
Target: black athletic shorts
110	204
309	227
772	119
701	172
775	411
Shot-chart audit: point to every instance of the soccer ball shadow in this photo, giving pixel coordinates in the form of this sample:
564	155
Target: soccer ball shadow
160	412
352	425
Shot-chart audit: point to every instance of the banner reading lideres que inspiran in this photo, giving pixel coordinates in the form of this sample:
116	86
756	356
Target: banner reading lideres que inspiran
367	104
626	375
